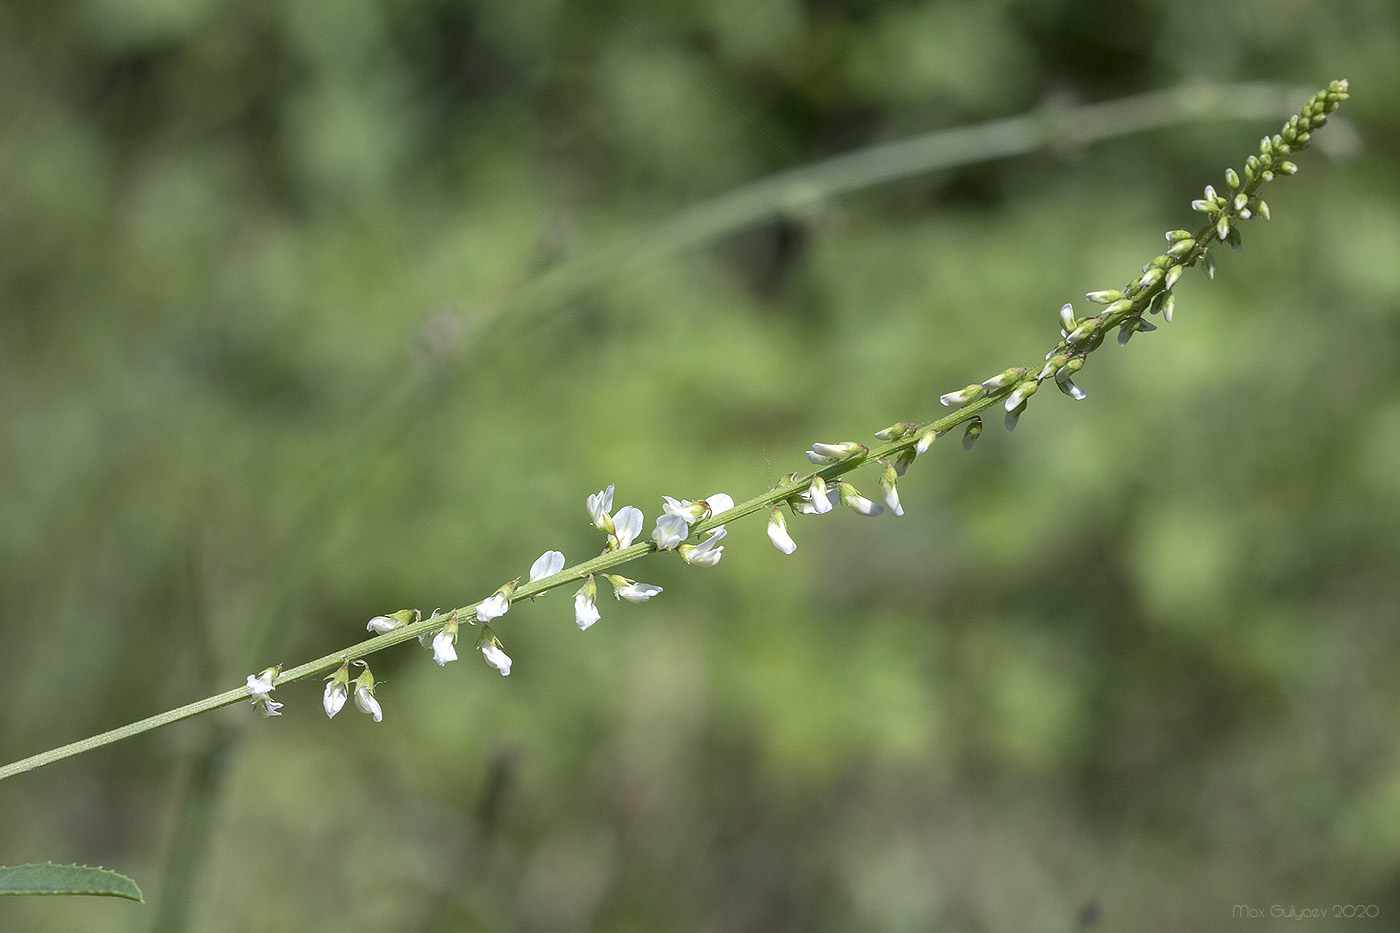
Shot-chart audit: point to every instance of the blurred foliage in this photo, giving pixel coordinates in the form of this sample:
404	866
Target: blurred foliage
262	381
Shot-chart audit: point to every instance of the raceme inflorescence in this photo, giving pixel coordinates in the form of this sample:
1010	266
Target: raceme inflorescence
1130	310
694	530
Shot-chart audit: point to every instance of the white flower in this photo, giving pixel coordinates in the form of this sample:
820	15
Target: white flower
260	689
445	644
691	511
705	554
856	501
336	691
925	442
493	607
491	651
366	703
630	590
887	485
638	592
364	694
599	507
381	624
498	604
546	565
778	533
671	529
628	524
817	500
260	685
585	612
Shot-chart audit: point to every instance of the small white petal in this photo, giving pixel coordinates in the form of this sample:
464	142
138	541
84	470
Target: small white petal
268	708
496	658
638	592
778	533
334	698
818	499
260	685
1067	317
444	647
892	499
492	607
546	565
366	703
585	612
856	501
707	553
628	522
671	530
719	502
381	624
599	505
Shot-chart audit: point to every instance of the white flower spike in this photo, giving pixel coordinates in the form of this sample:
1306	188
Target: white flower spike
705	554
337	690
585	610
260	689
546	565
778	533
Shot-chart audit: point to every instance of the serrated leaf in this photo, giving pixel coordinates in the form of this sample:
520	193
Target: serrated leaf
49	878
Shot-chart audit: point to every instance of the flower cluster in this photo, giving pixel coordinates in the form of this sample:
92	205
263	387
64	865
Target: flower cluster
1151	293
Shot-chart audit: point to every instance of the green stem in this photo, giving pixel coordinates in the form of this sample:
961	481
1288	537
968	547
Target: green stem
1137	298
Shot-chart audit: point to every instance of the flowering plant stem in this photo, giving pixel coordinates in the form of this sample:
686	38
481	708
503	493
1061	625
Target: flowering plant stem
1149	293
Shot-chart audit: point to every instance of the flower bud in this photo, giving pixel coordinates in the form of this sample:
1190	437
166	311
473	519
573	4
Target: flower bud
854	500
896	431
962	396
971	433
1004	378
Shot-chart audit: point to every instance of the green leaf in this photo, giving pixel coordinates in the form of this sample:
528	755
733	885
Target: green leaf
49	878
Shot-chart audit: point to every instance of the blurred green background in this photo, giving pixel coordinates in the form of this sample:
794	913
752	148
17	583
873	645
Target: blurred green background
275	358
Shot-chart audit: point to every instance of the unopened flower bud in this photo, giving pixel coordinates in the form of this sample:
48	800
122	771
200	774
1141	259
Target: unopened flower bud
896	431
854	500
971	433
1019	395
823	454
1067	317
1004	378
962	396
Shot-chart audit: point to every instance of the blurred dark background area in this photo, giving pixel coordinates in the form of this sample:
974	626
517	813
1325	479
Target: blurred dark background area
298	326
